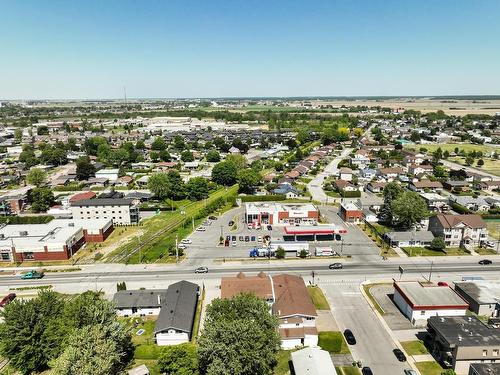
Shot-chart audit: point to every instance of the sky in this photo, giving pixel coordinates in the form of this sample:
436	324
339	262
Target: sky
92	49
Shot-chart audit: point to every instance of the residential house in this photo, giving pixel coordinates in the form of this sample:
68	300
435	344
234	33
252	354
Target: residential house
110	174
471	203
418	169
288	299
391	174
414	158
342	185
484	369
350	212
425	185
489	185
410	238
312	361
288	190
435	202
459	230
369	216
367	174
376	187
457	186
459	341
345	174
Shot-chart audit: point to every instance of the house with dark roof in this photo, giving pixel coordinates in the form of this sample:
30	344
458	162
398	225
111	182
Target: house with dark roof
288	190
174	306
459	230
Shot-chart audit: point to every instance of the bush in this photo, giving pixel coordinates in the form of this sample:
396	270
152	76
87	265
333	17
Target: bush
26	219
438	244
280	253
263	198
303	254
351	194
459	208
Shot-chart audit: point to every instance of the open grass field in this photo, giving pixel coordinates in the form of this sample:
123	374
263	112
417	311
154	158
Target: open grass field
490	165
415	347
318	298
450	147
423	251
493	228
333	342
429	368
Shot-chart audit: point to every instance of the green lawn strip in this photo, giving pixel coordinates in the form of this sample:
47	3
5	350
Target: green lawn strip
333	342
486	251
367	289
347	370
450	147
283	367
197	317
415	347
318	298
429	368
424	251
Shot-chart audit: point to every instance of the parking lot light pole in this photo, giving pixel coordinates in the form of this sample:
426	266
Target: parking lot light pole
176	250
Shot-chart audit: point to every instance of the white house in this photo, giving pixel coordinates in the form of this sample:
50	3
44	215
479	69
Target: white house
312	361
419	301
110	174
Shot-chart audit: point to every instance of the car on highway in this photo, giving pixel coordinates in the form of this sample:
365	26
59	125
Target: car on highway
349	337
201	270
7	299
32	275
212	217
201	229
230	224
335	266
443	283
269	227
410	372
366	371
485	262
399	355
186	241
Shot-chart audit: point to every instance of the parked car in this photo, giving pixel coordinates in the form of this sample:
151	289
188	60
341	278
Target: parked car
201	270
7	299
32	275
181	246
233	238
490	244
230	224
234	243
442	283
485	262
269	227
259	239
247	239
349	337
212	217
241	238
366	371
410	372
186	241
399	355
335	266
252	238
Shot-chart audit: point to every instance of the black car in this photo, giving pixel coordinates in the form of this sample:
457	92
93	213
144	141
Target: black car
230	224
247	239
366	371
485	262
269	227
212	217
335	266
399	355
349	337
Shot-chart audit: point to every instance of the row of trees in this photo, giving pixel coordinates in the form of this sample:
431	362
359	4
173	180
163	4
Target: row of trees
170	185
76	335
234	170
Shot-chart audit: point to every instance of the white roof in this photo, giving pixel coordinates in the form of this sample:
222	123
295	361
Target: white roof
273	207
313	361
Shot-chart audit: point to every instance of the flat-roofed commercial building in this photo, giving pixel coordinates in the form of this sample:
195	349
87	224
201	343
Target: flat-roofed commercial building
121	211
459	341
419	302
55	240
483	296
275	213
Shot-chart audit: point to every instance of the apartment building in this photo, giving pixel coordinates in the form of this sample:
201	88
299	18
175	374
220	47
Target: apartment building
458	230
121	211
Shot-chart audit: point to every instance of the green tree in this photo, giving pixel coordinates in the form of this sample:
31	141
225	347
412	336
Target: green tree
469	160
391	192
18	135
197	188
438	154
415	136
187	156
140	145
213	156
41	199
28	157
224	173
84	168
480	162
159	144
440	171
179	143
167	185
238	160
165	155
438	244
95	349
240	337
408	209
36	177
280	253
179	360
248	179
28	335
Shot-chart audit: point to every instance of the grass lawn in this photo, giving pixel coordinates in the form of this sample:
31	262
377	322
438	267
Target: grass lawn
145	346
347	370
490	165
423	251
429	368
151	364
467	147
382	229
486	251
333	342
415	347
493	228
283	368
367	289
197	318
318	298
333	194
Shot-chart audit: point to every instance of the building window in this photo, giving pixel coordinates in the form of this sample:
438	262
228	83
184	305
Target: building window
485	353
5	256
422	312
495	352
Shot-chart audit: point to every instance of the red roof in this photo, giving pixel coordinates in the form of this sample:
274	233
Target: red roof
82	196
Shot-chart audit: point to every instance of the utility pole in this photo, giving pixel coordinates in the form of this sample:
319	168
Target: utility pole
176	250
341	247
430	273
192	221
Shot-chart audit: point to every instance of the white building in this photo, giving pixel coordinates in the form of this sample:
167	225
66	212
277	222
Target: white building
110	174
419	301
281	213
122	211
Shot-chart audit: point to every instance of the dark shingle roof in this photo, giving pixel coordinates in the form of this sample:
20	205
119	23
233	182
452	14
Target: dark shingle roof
103	202
139	298
179	308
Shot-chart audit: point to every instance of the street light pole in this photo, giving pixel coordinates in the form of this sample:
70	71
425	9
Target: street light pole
176	250
430	272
